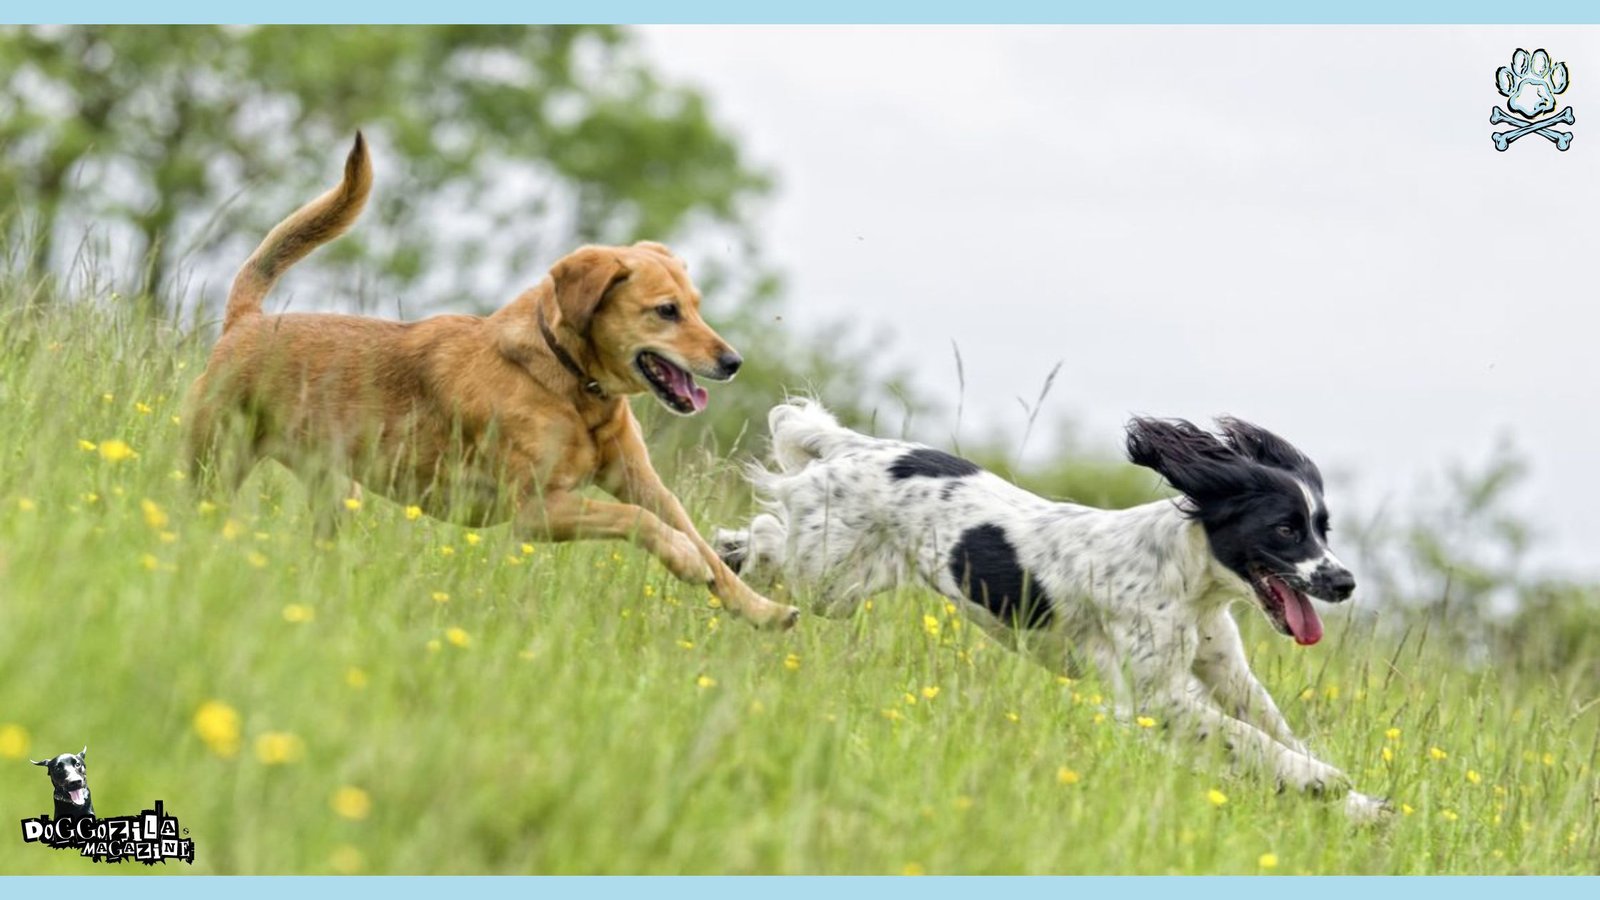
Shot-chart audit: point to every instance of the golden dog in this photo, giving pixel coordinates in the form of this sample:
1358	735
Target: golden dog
475	419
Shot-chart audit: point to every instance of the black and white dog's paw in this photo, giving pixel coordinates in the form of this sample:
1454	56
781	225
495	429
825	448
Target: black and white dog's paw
732	547
1364	810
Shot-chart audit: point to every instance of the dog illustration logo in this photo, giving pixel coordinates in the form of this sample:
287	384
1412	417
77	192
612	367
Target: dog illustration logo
1530	85
69	775
150	837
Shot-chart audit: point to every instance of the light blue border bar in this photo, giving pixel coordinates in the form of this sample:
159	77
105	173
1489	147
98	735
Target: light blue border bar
1226	12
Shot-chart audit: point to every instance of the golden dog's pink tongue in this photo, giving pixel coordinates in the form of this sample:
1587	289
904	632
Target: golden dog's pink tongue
683	386
1302	619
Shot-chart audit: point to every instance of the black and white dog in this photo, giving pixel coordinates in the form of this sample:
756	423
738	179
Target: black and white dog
1142	593
69	774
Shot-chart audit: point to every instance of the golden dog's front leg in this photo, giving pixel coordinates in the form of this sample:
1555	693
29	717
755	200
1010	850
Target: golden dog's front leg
629	476
565	516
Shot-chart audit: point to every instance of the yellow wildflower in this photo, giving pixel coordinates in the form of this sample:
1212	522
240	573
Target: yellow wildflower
1387	754
149	562
143	408
910	698
352	504
355	677
1216	797
1449	815
930	624
931	691
296	613
473	538
1548	759
26	505
441	597
274	748
413	513
1146	722
346	860
87	446
154	515
259	560
527	549
447	550
116	451
434	645
1407	809
792	662
1437	755
351	803
1013	717
13	741
686	643
217	723
1065	775
705	681
913	869
1473	776
1268	861
1392	734
458	637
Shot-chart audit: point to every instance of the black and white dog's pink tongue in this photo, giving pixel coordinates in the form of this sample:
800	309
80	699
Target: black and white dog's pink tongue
1302	619
77	796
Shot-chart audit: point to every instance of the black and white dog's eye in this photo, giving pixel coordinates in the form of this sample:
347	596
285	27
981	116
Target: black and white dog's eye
668	311
1288	531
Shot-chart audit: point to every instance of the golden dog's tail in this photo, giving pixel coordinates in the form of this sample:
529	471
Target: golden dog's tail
311	226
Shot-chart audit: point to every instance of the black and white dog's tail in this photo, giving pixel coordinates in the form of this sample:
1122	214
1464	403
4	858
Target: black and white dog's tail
803	430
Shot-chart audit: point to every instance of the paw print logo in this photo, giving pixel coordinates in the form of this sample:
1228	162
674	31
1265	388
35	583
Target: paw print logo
1530	85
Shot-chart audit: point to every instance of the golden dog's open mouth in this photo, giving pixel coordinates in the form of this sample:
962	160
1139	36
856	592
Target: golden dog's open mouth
674	386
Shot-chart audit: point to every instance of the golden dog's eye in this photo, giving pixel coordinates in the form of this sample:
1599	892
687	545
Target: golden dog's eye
668	311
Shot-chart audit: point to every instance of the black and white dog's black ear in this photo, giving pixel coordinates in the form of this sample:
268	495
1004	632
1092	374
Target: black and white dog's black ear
1260	445
83	755
40	762
1191	459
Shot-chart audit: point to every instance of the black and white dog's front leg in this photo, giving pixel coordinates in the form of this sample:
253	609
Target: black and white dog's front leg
1221	666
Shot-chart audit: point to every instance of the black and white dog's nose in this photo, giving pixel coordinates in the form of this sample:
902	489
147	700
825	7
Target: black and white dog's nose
1340	585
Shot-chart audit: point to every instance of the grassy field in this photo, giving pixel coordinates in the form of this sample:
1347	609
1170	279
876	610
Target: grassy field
421	698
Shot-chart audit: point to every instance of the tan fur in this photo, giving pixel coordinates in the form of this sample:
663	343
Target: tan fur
471	418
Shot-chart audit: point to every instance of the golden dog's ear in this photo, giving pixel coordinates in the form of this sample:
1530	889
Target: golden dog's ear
582	278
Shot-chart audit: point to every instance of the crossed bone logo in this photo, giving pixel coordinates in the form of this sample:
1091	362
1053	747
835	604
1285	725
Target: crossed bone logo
1530	85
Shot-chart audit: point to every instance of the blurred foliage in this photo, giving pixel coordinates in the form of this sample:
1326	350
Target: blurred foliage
1456	565
159	127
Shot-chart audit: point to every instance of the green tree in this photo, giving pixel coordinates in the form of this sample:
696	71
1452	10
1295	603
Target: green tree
534	138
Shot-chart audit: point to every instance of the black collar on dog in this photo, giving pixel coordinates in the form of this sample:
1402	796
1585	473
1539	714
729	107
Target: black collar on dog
566	360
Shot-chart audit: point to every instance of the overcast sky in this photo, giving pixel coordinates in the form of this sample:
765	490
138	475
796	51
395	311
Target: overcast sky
1305	227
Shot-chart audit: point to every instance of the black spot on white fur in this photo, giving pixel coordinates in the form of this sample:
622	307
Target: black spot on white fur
926	462
985	564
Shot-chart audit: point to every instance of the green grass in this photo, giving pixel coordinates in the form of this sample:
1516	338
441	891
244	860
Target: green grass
600	718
